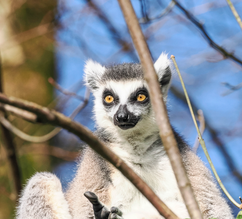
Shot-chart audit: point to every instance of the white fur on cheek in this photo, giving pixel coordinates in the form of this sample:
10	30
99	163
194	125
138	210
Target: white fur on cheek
101	117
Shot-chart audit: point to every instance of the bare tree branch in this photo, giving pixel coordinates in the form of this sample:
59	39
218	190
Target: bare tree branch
215	137
33	118
147	19
201	140
116	36
10	148
159	107
30	117
235	13
81	106
60	100
26	137
201	120
206	35
232	88
62	90
52	117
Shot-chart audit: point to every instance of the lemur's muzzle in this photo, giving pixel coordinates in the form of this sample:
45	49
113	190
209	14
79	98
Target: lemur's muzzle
125	119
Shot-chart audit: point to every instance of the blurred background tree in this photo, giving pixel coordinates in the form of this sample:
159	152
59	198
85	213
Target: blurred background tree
39	40
28	60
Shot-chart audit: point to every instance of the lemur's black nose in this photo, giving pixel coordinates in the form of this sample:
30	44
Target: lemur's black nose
125	119
122	114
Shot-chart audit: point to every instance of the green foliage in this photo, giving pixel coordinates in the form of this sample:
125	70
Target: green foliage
239	216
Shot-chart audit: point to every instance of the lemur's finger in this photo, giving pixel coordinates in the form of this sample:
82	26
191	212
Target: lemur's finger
91	196
97	206
100	211
114	216
116	211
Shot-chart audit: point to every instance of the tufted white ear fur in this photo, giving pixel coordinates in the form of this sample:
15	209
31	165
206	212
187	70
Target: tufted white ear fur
93	73
163	69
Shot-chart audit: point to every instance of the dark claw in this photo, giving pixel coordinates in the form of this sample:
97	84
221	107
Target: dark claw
116	211
114	216
100	211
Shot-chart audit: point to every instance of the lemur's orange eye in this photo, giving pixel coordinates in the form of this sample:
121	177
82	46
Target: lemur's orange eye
109	99
141	97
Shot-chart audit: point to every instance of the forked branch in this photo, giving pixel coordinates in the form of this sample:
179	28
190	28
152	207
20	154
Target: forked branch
33	118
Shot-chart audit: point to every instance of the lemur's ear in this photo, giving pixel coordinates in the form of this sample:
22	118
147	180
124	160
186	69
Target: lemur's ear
93	74
163	68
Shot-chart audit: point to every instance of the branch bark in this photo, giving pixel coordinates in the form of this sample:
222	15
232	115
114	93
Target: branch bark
158	105
235	13
46	116
201	140
206	35
33	118
214	134
200	118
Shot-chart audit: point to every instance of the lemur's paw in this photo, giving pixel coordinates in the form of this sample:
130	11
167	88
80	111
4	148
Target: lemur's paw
100	211
115	213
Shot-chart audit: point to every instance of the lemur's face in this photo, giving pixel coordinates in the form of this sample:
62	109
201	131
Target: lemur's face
121	93
125	102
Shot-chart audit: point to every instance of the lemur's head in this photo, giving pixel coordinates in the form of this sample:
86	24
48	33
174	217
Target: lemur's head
121	94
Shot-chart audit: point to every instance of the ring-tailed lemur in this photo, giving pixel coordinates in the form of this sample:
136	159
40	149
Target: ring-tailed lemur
125	123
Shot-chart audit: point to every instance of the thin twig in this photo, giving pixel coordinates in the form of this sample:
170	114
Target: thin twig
144	11
115	34
81	106
10	148
36	139
62	90
232	88
201	128
236	15
26	137
60	102
30	117
146	19
214	135
52	117
201	139
159	107
206	35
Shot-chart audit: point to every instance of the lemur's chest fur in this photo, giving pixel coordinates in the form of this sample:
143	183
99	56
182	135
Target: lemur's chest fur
151	163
